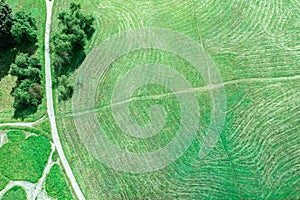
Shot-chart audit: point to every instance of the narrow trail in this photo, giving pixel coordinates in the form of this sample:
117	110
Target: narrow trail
22	124
50	106
189	90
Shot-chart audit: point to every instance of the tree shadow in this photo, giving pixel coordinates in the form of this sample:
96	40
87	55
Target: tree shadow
22	114
8	56
76	61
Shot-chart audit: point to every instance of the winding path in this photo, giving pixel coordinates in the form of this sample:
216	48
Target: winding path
50	107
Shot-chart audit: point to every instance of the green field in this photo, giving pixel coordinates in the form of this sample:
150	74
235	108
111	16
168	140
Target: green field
56	186
15	193
255	46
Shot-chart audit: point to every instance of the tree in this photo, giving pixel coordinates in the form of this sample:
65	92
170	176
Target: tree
24	28
6	23
26	67
27	94
76	29
65	89
75	19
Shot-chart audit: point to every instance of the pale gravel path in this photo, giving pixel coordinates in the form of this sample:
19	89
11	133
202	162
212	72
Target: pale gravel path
50	107
22	124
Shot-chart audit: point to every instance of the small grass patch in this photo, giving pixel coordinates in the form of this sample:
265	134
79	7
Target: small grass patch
56	185
15	135
55	156
15	192
25	160
3	182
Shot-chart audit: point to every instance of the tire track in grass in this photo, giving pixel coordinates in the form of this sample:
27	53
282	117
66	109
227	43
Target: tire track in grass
267	141
191	90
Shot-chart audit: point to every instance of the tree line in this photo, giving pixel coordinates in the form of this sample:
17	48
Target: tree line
16	28
20	29
68	46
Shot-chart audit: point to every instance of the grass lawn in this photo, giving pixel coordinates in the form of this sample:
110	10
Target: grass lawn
24	160
257	154
15	193
56	186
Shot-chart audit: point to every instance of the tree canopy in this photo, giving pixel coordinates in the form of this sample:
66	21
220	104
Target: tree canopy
68	46
24	28
28	92
6	23
26	67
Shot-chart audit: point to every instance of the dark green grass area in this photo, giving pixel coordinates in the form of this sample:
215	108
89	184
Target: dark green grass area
56	186
25	160
15	135
15	193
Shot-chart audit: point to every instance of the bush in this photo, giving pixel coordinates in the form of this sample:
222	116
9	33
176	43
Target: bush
65	88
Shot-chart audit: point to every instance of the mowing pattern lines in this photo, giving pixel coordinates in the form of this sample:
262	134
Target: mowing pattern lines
255	45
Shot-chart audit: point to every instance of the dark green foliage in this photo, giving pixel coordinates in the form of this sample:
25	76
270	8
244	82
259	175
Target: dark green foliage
26	67
15	192
65	88
15	135
68	45
6	22
56	186
18	33
74	20
25	160
28	92
24	29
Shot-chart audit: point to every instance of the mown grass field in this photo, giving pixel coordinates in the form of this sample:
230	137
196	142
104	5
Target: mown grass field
255	45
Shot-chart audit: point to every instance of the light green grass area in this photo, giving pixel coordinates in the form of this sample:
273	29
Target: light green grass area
3	181
56	186
24	160
15	135
256	155
7	83
6	100
15	193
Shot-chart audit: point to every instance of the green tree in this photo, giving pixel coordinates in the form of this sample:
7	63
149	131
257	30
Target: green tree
27	94
68	47
26	67
24	28
74	19
6	23
65	89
